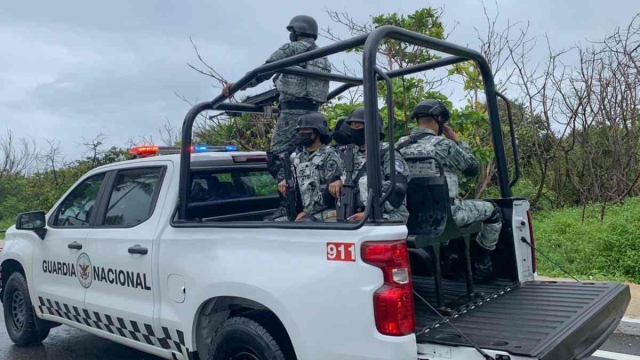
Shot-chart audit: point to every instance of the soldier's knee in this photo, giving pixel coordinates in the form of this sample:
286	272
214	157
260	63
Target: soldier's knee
496	215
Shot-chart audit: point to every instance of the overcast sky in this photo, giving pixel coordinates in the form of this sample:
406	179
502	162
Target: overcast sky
71	69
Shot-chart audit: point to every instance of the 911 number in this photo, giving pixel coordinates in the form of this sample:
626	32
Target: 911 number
341	251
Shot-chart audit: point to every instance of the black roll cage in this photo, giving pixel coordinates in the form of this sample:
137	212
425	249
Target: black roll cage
371	75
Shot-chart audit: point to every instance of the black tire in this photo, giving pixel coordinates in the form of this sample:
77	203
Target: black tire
241	338
19	317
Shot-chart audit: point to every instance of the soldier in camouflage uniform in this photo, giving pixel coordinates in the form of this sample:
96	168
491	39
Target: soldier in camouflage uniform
395	207
297	95
455	157
316	166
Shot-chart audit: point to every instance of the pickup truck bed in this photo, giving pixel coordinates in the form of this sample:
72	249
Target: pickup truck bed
539	319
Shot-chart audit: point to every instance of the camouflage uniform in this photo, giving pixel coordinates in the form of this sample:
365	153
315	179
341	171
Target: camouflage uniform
314	171
390	212
454	157
295	89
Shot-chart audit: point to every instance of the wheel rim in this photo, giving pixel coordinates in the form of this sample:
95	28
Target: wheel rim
245	356
18	310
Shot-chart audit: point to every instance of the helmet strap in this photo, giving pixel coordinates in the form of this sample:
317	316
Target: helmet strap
440	126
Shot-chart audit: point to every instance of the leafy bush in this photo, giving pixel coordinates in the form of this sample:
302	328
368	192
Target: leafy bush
608	249
5	224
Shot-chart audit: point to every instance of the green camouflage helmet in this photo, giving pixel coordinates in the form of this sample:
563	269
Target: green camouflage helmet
315	121
357	115
303	24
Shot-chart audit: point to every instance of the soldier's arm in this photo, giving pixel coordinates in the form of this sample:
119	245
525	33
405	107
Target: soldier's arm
459	156
332	173
333	167
285	51
280	174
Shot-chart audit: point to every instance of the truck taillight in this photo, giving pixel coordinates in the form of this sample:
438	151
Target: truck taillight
534	264
393	302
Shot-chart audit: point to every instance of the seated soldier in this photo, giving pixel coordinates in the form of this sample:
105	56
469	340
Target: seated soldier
342	133
315	166
425	140
395	207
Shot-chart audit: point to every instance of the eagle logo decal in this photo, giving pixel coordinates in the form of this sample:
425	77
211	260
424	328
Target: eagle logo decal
84	270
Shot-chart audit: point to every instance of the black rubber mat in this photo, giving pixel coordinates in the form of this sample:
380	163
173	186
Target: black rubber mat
546	320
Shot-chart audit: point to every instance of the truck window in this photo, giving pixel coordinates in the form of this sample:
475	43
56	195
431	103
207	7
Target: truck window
131	201
76	209
236	194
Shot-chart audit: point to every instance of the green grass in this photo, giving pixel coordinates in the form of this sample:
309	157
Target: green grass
593	249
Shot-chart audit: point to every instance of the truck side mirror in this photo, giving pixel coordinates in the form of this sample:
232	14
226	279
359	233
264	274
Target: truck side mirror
34	221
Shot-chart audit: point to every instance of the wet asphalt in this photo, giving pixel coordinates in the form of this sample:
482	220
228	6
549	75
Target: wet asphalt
66	343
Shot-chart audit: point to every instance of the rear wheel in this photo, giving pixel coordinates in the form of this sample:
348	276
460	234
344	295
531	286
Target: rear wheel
20	320
241	338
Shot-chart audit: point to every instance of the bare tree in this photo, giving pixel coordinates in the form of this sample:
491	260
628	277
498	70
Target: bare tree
169	134
51	160
17	155
94	147
584	117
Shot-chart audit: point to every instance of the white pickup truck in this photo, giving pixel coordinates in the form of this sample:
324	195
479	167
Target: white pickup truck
170	255
109	258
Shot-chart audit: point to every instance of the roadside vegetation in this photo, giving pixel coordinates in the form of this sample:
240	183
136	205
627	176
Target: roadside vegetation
597	248
576	121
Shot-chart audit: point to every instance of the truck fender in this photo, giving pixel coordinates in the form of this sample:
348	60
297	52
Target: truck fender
243	295
18	250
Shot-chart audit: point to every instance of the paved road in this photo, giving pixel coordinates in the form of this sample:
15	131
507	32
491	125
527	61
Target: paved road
66	343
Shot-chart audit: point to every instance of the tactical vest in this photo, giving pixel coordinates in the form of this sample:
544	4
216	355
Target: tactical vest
298	88
426	146
309	173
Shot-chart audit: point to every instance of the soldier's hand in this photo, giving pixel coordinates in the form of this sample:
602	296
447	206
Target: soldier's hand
282	187
448	132
301	215
225	89
335	188
356	217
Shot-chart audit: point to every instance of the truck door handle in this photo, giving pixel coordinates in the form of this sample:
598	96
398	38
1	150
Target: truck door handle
137	249
75	245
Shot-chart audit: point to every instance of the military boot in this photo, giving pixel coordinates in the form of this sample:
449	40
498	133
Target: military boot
483	271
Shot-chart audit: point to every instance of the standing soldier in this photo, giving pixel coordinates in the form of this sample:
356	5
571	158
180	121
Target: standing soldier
316	166
425	140
395	206
297	95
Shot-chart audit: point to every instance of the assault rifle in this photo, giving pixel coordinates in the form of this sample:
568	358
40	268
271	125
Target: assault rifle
348	196
293	196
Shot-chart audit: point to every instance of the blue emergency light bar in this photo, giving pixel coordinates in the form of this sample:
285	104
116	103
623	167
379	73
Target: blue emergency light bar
216	148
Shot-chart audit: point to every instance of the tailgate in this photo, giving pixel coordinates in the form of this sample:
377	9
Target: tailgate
541	319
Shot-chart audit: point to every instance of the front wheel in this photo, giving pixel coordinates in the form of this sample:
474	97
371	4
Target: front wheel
241	338
19	318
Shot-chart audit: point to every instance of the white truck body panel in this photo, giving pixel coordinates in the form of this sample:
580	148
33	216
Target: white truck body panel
325	306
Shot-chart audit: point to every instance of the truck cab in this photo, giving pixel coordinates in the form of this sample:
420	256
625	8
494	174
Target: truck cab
169	254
